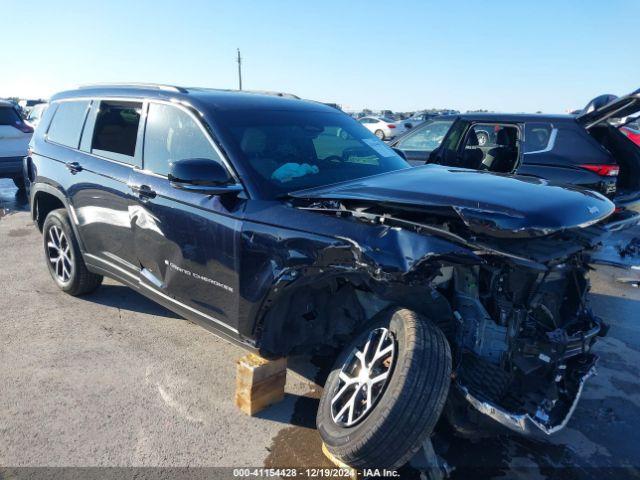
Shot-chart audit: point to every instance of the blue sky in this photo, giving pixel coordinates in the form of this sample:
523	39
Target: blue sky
503	55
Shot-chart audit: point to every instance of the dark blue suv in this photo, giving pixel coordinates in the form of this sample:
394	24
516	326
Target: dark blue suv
285	226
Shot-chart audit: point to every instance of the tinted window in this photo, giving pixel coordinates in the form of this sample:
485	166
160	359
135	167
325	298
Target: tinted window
536	136
8	116
427	138
36	112
67	123
116	129
291	150
578	145
170	135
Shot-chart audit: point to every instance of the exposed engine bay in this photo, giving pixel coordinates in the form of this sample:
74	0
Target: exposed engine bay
517	318
523	342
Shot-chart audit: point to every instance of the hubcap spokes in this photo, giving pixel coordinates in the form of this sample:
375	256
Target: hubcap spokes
59	253
363	378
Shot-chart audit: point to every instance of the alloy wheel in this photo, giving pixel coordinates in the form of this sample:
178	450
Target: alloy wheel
363	378
59	254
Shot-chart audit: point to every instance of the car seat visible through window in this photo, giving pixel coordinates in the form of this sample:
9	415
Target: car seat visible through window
503	157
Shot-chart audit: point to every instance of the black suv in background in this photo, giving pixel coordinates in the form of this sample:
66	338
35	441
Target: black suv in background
286	226
583	150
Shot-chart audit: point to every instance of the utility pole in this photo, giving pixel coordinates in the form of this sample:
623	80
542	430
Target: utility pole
239	71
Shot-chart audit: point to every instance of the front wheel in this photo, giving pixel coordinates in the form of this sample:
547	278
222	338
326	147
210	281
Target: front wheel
380	134
66	266
386	391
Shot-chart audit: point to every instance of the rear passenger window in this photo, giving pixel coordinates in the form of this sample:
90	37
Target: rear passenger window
171	134
67	123
116	130
536	136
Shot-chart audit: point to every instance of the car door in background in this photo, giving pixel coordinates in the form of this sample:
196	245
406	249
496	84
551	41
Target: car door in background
186	243
422	140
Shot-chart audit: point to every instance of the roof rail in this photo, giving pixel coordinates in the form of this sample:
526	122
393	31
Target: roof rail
157	86
256	92
269	92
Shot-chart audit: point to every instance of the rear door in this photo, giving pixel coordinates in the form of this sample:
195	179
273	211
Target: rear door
100	194
186	243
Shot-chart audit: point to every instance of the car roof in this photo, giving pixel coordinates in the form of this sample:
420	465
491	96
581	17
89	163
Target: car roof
6	103
219	99
507	117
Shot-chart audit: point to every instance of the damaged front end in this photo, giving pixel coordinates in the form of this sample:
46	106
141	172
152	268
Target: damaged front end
514	277
523	343
518	323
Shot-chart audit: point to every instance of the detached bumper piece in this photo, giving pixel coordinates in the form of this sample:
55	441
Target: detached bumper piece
550	416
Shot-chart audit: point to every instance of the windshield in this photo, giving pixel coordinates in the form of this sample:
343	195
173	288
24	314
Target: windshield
293	150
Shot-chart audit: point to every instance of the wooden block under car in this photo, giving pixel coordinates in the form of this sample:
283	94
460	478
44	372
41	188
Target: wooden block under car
259	382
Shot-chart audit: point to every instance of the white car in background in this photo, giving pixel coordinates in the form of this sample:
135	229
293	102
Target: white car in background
35	114
383	128
15	135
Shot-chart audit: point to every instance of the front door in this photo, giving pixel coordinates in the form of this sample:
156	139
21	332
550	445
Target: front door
186	243
425	138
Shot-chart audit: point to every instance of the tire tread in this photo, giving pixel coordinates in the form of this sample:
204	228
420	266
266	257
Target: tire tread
412	416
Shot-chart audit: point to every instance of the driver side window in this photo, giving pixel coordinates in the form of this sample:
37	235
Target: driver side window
171	134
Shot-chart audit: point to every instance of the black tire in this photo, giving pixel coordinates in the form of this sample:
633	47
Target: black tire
80	280
19	183
380	134
407	410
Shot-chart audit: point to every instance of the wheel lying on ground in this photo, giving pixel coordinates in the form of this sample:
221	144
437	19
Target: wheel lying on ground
386	391
66	266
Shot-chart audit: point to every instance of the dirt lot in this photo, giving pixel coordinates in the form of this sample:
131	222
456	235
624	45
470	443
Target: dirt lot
112	379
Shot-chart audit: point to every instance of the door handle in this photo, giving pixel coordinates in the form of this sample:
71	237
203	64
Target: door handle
73	167
143	191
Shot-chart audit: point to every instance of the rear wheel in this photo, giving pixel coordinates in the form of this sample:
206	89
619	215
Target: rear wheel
66	266
380	134
386	391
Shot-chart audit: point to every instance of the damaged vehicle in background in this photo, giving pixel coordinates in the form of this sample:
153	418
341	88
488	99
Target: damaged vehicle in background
437	289
587	150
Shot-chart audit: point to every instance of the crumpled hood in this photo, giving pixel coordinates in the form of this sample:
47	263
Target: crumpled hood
496	204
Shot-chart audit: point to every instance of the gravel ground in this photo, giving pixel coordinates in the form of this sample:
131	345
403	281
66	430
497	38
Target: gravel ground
112	379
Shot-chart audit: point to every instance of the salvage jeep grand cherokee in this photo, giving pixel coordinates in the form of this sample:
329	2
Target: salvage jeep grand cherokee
287	227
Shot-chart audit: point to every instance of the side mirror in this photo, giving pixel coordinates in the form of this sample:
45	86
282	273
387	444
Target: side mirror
400	152
202	175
